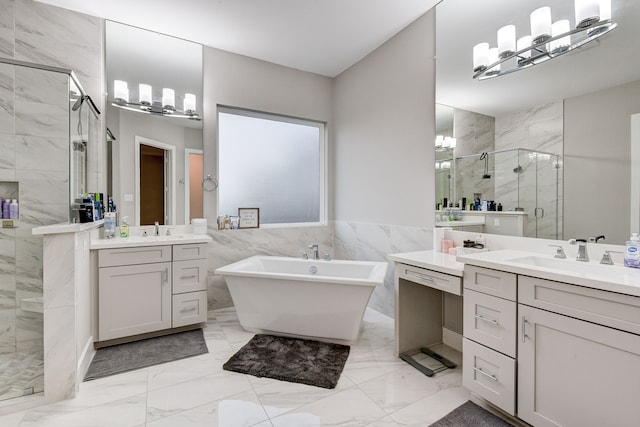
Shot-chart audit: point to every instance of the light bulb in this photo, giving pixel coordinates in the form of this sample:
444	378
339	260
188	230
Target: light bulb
120	91
587	12
563	43
168	99
541	24
189	102
144	94
506	40
493	57
605	10
480	56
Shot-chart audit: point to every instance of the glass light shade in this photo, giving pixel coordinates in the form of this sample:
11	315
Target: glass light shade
437	165
452	142
541	24
506	40
189	102
168	98
587	12
439	141
524	42
120	90
493	57
605	10
563	43
144	94
480	56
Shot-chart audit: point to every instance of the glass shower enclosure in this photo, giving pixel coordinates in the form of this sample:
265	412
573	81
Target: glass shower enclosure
519	179
44	138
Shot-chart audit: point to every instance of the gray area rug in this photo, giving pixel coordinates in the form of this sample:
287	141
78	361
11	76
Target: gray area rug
291	359
148	352
470	415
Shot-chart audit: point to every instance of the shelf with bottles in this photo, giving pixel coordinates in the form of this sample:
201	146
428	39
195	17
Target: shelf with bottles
9	203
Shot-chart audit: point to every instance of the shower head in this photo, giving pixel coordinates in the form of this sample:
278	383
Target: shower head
517	169
78	102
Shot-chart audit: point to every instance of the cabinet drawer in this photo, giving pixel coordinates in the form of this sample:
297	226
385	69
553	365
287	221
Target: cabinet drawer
594	305
133	256
430	278
497	283
189	251
189	276
189	308
490	375
490	321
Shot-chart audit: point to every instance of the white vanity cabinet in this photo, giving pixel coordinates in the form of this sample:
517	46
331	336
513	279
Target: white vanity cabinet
572	369
134	291
489	329
150	288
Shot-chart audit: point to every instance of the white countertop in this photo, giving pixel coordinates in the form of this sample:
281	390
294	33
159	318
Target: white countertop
613	278
431	260
460	222
135	241
66	227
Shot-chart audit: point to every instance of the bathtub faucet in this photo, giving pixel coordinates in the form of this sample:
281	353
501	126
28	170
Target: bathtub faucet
314	248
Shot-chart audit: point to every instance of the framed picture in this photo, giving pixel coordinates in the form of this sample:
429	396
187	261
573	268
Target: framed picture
249	217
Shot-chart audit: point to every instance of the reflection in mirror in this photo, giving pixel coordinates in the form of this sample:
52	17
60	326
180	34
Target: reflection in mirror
153	114
577	107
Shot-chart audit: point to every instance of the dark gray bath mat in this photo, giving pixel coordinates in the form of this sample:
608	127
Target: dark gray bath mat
470	415
148	352
291	359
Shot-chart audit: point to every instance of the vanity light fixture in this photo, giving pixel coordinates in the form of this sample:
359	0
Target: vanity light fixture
444	143
547	39
164	107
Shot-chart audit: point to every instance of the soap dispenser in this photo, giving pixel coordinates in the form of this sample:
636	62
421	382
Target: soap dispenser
632	253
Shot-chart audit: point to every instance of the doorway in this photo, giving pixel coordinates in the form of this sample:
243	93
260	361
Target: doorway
194	167
155	177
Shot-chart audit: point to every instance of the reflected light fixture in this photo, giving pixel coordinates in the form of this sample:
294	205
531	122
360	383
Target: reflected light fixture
547	40
444	143
166	106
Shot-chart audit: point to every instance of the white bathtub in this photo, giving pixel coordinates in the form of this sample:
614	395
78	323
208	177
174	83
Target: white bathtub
283	296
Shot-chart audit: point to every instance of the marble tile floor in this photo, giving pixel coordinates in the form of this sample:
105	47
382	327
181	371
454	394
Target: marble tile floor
376	389
21	374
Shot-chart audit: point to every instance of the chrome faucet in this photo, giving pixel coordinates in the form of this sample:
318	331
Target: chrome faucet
157	228
314	248
582	249
606	257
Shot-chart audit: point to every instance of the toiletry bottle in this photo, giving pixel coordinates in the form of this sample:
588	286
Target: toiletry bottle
124	227
109	225
13	209
5	208
632	253
227	222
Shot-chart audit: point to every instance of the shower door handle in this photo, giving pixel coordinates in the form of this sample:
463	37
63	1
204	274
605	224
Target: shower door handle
538	212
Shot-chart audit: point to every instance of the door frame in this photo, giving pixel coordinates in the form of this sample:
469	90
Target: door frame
170	177
187	174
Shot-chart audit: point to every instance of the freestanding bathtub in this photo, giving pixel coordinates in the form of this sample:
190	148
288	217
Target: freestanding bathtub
302	298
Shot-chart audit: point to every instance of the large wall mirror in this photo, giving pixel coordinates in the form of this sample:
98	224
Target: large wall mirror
562	128
155	143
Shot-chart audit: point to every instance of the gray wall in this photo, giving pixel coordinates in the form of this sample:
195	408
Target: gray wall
243	82
597	135
383	156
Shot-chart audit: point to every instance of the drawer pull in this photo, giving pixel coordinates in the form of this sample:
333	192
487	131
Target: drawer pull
185	310
493	322
418	275
165	275
189	276
524	329
493	377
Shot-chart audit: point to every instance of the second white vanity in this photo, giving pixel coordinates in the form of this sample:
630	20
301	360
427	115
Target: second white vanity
554	342
148	285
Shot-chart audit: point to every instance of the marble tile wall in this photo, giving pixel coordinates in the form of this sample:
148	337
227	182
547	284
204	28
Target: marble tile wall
233	245
474	135
537	128
373	242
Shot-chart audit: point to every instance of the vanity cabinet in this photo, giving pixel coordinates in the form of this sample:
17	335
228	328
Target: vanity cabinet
151	288
134	291
489	329
572	369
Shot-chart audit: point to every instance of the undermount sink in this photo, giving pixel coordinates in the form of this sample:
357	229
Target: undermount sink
571	266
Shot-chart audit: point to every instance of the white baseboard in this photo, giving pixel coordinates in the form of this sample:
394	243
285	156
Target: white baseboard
452	339
84	360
